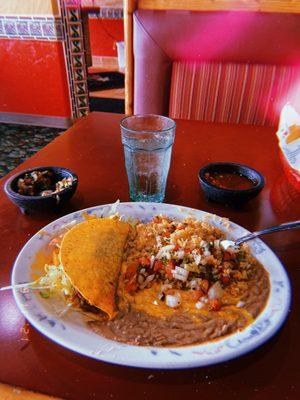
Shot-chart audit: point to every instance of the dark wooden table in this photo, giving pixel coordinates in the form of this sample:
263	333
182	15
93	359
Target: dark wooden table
93	149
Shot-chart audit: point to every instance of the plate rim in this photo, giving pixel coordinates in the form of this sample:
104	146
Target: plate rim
157	363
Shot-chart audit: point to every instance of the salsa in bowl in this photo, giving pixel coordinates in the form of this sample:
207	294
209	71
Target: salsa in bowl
230	183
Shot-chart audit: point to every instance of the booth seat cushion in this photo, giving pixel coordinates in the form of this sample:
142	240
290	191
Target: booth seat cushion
239	93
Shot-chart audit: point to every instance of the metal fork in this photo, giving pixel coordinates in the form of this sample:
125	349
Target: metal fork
282	227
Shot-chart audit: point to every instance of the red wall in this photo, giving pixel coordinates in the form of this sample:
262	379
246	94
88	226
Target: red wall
104	33
33	78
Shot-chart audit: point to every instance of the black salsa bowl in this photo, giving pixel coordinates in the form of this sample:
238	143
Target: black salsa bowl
230	196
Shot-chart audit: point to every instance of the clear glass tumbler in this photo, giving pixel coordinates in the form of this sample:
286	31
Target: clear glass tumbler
147	141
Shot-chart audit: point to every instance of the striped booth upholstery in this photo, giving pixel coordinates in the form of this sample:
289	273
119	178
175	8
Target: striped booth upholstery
232	92
232	67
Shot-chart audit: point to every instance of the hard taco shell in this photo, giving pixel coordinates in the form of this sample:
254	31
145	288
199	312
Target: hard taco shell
91	255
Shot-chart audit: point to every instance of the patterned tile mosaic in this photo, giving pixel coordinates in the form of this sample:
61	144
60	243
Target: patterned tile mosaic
74	53
40	28
107	13
19	142
66	28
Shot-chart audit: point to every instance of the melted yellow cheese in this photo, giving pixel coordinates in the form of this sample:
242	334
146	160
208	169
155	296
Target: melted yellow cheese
146	300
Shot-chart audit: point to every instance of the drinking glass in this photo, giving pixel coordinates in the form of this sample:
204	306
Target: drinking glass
147	141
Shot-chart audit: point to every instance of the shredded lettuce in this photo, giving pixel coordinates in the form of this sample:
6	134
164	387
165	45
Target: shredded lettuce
44	294
113	209
55	279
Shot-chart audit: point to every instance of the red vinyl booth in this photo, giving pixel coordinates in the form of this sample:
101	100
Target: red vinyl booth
237	67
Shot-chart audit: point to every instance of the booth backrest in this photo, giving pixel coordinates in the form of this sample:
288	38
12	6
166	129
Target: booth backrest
256	50
240	93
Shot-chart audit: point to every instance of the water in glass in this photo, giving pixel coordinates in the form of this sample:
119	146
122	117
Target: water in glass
147	148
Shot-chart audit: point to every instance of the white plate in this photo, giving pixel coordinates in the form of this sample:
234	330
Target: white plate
71	331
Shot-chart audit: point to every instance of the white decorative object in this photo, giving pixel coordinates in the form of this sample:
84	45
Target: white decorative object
121	54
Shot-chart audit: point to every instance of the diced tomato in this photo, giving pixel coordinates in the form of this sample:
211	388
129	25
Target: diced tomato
225	279
227	256
158	265
227	264
204	285
176	248
169	273
145	261
215	304
132	268
197	294
167	234
131	285
169	268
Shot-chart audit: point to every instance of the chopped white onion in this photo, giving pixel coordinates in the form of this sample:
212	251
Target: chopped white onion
180	254
225	244
206	253
150	278
152	259
193	283
158	241
215	291
197	259
147	280
160	295
199	305
216	243
165	287
173	301
203	299
180	273
164	250
205	248
240	304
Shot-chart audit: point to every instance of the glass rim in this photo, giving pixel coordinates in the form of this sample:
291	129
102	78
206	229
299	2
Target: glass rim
147	130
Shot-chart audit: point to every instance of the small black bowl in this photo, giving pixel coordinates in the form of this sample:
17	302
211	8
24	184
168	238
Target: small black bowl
51	202
231	196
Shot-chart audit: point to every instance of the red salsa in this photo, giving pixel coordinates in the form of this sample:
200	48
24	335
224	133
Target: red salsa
229	180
